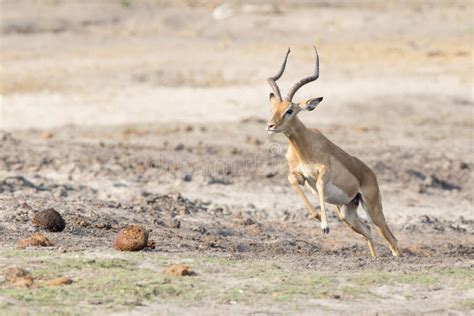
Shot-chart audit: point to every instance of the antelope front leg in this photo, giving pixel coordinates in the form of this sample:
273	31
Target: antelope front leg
321	181
296	180
320	185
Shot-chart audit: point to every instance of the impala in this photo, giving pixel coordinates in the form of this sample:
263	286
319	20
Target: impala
327	171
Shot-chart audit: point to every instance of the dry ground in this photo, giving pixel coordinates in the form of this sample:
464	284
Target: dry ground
153	112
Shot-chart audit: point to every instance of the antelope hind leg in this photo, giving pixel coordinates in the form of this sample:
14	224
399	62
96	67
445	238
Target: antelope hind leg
348	214
371	202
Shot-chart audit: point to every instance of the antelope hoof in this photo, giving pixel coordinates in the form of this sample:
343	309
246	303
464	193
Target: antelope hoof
325	229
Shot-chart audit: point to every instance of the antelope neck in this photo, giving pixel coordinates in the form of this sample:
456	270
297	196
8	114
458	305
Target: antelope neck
296	134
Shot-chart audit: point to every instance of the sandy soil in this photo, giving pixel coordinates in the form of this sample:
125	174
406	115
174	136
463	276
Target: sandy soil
153	113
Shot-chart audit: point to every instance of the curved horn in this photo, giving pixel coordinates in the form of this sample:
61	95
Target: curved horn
306	80
272	80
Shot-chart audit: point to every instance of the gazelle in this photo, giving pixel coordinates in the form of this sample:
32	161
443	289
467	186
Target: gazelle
326	170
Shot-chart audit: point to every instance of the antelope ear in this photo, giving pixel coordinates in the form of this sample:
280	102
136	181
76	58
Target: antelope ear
273	98
310	104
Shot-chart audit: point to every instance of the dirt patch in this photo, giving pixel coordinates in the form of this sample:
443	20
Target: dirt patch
178	222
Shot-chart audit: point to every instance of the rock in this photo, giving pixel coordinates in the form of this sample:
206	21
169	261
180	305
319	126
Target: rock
106	226
425	219
253	141
416	174
178	270
179	147
131	238
248	221
224	232
59	281
435	53
47	135
35	240
18	277
151	244
435	182
50	220
200	229
176	223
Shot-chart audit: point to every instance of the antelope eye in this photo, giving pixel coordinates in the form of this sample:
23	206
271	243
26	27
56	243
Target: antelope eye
289	112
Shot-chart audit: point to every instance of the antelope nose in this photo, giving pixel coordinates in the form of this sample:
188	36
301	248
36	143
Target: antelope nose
270	125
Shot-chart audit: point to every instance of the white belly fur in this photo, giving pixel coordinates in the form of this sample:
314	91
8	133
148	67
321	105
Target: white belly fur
332	194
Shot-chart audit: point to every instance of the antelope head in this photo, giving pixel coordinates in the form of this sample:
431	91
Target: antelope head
284	111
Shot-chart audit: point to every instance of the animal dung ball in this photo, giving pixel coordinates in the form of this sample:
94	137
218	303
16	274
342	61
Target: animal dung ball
59	281
18	277
178	270
35	240
131	238
50	220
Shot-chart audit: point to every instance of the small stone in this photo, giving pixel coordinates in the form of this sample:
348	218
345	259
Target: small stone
47	135
138	209
200	229
248	222
106	226
151	244
253	141
159	222
176	223
179	147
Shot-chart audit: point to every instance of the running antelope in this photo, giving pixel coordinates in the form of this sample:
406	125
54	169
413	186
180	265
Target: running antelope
326	170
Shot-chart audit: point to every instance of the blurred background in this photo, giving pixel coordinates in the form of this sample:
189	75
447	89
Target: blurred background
135	61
